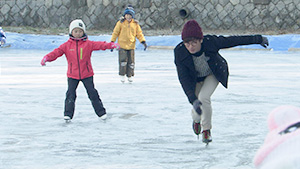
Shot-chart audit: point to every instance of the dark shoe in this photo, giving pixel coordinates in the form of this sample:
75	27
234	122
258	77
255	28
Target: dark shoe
206	137
197	128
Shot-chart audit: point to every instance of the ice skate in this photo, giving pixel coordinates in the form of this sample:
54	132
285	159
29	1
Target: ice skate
122	78
197	128
103	117
130	79
67	119
206	137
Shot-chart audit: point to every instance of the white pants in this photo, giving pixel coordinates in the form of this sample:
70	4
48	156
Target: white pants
204	90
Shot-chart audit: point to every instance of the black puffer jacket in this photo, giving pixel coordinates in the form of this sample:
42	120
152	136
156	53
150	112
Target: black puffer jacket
211	45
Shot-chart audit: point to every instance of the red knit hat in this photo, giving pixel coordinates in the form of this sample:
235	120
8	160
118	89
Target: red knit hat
191	29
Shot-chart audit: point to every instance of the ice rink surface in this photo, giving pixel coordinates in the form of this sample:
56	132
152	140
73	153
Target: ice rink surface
149	124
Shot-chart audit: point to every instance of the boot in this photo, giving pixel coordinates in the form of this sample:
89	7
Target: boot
206	136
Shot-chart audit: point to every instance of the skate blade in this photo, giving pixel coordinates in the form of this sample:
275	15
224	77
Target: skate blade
207	142
68	121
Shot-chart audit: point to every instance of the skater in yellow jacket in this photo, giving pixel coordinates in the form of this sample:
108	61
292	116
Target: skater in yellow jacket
127	29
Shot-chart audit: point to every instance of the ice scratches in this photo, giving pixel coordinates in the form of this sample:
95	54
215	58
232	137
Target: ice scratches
193	155
243	160
152	141
10	141
244	99
128	115
167	145
77	149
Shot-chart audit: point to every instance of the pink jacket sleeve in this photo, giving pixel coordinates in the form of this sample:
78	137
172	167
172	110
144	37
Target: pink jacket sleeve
101	45
56	53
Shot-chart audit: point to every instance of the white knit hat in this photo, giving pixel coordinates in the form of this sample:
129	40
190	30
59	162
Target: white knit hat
77	23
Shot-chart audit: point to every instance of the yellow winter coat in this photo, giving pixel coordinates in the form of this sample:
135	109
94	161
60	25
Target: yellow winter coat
127	32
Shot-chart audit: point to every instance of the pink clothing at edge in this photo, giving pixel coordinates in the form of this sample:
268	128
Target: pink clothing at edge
78	54
280	150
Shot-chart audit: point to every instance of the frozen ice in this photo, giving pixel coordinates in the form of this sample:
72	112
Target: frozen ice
149	123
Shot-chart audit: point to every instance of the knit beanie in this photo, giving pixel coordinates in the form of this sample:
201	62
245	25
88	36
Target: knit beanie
191	29
129	10
77	23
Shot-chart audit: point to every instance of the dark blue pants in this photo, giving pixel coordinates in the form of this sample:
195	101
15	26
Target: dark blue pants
91	91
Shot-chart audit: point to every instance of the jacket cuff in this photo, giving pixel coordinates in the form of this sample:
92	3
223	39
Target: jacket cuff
192	99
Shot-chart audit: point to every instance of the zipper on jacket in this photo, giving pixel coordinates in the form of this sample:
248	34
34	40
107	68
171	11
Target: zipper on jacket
87	66
70	68
78	60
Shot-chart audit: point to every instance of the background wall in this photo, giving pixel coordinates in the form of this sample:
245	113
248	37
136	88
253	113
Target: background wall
240	15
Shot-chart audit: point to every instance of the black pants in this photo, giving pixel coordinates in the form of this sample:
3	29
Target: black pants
91	91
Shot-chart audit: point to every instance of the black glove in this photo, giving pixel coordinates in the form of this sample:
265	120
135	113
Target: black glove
145	45
196	106
264	42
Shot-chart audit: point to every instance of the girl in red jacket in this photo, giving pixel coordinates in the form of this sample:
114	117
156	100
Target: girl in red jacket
78	50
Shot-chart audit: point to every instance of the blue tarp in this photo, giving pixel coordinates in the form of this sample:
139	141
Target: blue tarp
50	42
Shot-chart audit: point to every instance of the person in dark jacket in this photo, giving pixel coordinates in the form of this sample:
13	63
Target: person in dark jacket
201	68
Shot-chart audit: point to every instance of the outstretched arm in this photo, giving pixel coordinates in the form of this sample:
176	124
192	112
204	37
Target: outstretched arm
102	45
53	55
222	42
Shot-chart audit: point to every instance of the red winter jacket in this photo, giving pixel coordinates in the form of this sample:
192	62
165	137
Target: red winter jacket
78	54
